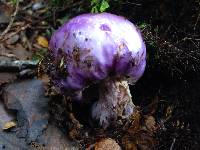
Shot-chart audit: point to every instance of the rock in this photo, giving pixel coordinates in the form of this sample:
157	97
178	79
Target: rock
9	141
37	6
5	115
107	144
28	99
54	139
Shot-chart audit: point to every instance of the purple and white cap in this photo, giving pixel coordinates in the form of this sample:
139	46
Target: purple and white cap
93	47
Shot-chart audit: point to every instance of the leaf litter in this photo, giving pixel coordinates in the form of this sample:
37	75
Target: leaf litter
164	123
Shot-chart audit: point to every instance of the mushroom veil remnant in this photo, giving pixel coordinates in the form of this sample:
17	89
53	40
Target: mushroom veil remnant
99	48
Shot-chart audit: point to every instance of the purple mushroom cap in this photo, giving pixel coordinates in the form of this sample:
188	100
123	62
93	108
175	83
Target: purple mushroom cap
93	47
99	48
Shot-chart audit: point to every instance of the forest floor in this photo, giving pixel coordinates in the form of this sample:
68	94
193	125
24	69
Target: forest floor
167	96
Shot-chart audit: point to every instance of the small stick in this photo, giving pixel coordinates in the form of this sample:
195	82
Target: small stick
11	21
14	33
195	25
172	145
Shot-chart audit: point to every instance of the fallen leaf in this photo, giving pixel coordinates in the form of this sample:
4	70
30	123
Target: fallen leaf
150	123
128	143
140	133
74	133
19	51
135	124
7	77
145	140
42	41
169	111
9	125
13	39
5	13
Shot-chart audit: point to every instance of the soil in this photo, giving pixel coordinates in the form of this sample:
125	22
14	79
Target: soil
168	94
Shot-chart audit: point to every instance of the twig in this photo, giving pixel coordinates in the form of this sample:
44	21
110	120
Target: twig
8	55
14	33
195	25
132	3
11	21
172	145
90	147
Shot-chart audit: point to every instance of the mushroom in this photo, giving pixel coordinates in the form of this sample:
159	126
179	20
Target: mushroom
99	48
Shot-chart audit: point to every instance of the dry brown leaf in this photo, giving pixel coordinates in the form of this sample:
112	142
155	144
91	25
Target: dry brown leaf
74	133
140	133
128	143
18	51
169	111
42	41
13	39
9	125
5	13
7	77
145	140
150	123
135	124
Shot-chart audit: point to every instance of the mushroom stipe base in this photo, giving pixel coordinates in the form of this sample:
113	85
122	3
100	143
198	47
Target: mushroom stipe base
114	101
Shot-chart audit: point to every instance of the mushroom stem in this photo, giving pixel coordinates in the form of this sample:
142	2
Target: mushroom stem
114	101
